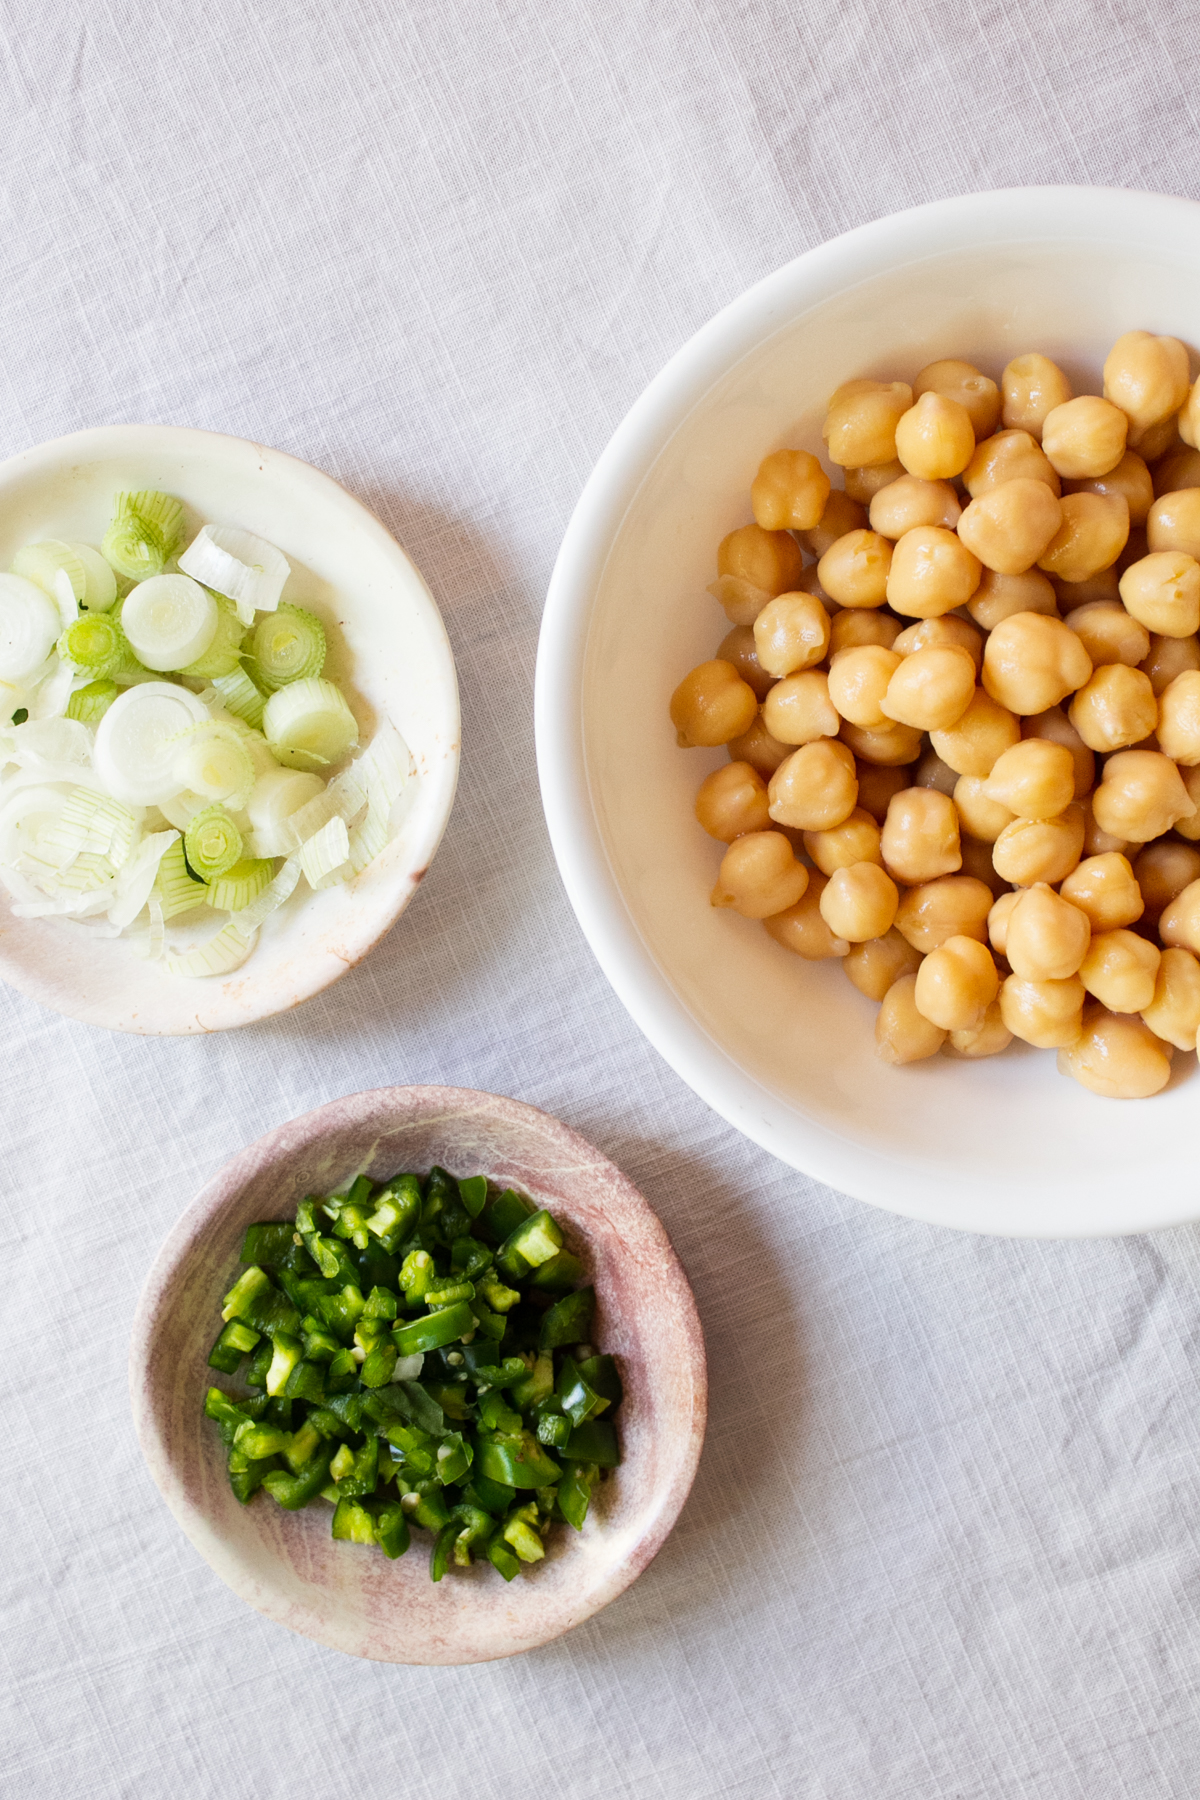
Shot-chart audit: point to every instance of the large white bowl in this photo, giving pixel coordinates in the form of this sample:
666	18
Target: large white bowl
387	648
783	1049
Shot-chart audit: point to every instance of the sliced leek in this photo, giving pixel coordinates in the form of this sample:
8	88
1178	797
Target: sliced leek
212	843
241	884
236	563
224	654
325	858
239	696
89	704
101	589
308	724
29	625
288	645
222	954
277	796
136	741
211	760
51	562
146	531
94	643
177	889
170	621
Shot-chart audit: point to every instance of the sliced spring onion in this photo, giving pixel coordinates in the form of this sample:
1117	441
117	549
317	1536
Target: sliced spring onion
58	570
241	884
212	843
325	858
277	796
308	724
273	895
211	760
239	696
380	776
223	656
135	748
50	699
157	937
25	818
46	743
223	953
170	621
94	643
236	563
146	531
29	624
288	645
136	880
182	808
101	589
89	704
175	886
92	823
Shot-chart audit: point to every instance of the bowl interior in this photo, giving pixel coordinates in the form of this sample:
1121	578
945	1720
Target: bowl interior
286	1564
784	1048
387	645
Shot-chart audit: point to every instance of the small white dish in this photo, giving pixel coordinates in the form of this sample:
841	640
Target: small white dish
782	1048
387	649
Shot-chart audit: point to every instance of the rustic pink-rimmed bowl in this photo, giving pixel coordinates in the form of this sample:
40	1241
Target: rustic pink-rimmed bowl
351	1598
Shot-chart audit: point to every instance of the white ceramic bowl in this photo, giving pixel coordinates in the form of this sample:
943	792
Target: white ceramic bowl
387	647
783	1048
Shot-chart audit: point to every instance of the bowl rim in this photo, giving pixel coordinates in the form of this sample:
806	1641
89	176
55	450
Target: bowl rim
991	219
225	1185
97	441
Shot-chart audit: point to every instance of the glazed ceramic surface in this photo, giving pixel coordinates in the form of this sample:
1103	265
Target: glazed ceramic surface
387	649
286	1564
784	1048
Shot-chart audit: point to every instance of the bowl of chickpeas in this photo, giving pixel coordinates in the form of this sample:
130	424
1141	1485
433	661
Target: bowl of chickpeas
868	712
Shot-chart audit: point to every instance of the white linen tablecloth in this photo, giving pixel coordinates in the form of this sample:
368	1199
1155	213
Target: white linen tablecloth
943	1539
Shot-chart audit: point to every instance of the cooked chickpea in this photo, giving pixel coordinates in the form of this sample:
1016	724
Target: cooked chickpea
863	484
1131	479
1032	850
1010	526
1173	522
711	705
789	492
1090	539
1031	662
767	560
815	788
856	626
963	382
1162	871
841	516
1189	417
948	629
1104	585
977	862
732	801
998	917
932	572
858	681
791	633
860	425
1084	437
998	597
1116	1056
1168	658
1095	841
1154	442
932	772
910	501
809	582
876	785
1047	1014
934	438
919	840
854	570
1115	708
802	930
988	1039
1190	828
1105	889
1056	728
758	748
855	840
902	1033
979	816
875	965
1181	469
891	745
1140	796
1030	389
1035	779
1179	925
1146	376
1174	1012
760	875
1046	937
978	736
738	647
1120	969
931	689
1179	719
859	903
798	709
1008	456
1109	634
956	984
952	906
1163	592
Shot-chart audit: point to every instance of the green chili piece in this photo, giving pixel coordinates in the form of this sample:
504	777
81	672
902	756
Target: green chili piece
568	1320
534	1242
575	1492
288	1352
269	1244
595	1441
501	1557
561	1271
362	1472
518	1462
378	1365
380	1304
434	1331
417	1274
537	1385
397	1210
579	1400
391	1530
454	1458
554	1429
294	1491
443	1545
236	1340
473	1194
352	1523
499	1220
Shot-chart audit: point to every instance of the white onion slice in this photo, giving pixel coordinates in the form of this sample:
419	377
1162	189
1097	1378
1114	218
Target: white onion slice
236	563
134	754
169	620
29	627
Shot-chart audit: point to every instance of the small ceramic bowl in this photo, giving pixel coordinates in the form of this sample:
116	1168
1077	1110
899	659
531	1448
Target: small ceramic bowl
352	1598
387	648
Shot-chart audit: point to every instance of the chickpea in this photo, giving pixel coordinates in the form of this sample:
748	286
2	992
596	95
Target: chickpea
803	931
791	633
815	788
1174	1012
711	705
1179	925
1030	663
948	629
998	917
1120	970
875	965
1009	456
1115	708
858	681
1106	891
859	903
1056	728
977	862
789	492
768	560
1010	526
891	745
860	425
952	906
989	1039
1095	841
1116	1056
1153	442
963	382
1046	937
934	438
758	748
979	815
1173	522
809	582
798	709
1091	537
956	984
732	801
855	840
1035	779
1104	585
1179	720
1047	1014
863	484
1162	871
1032	850
1030	388
902	1034
1140	796
1163	591
1189	417
1168	658
909	501
978	737
931	689
999	596
857	626
1146	376
1109	634
854	570
1181	469
1190	828
1085	437
932	772
737	647
919	840
841	516
876	785
760	875
932	572
1131	479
